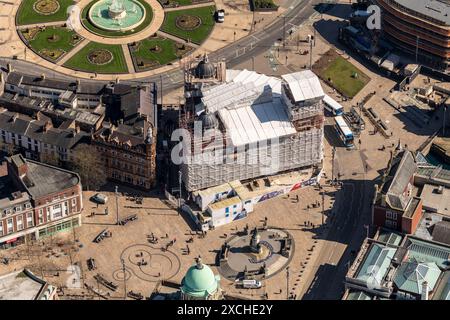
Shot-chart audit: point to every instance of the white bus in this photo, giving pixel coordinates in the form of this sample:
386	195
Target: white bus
344	131
333	106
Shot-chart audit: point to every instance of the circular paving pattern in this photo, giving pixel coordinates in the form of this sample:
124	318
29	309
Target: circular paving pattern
188	22
46	7
149	263
275	250
100	56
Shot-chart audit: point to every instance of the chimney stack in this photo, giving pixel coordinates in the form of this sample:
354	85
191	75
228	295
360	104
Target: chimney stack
424	295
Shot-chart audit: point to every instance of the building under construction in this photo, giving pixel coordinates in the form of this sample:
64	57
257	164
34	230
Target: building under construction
263	125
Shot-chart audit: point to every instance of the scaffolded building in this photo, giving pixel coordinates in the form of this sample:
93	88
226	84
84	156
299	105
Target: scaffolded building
244	125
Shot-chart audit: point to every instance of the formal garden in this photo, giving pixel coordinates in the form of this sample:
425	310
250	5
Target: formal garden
46	27
193	25
156	51
99	58
51	42
39	11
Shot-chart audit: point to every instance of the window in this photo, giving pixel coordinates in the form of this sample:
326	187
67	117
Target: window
74	202
19	222
28	206
18	209
57	215
10	226
40	217
29	219
227	210
1	228
227	215
66	208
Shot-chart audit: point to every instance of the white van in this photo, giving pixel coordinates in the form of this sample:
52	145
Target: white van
251	284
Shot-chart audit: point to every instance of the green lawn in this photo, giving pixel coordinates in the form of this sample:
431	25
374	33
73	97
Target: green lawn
80	60
341	72
146	56
206	14
147	20
44	43
27	15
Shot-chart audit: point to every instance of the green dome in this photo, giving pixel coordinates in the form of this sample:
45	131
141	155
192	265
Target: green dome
199	282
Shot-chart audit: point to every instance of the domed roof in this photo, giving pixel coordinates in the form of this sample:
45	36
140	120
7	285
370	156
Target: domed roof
199	281
209	121
204	69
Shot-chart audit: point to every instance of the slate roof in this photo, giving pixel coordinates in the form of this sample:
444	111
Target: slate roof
441	232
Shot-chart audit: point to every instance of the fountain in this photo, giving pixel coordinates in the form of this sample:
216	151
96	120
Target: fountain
117	15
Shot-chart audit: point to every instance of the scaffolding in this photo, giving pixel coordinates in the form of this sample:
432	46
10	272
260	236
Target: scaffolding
301	145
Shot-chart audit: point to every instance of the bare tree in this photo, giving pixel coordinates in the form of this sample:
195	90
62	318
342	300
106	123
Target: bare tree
88	164
9	148
50	158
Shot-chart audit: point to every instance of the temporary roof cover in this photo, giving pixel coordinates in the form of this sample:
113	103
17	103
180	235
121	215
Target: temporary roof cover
250	107
304	85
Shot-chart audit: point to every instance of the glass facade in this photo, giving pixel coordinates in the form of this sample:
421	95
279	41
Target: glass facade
66	225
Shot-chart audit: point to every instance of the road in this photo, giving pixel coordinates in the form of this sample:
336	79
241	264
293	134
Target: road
347	231
234	54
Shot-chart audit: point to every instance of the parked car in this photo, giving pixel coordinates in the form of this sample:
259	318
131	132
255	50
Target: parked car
220	15
251	284
100	198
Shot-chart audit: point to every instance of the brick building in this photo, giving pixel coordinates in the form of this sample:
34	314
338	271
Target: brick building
37	200
395	206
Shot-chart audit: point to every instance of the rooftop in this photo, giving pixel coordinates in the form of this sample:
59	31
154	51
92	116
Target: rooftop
224	203
410	276
304	85
436	9
21	285
42	179
250	107
376	264
426	251
441	232
436	199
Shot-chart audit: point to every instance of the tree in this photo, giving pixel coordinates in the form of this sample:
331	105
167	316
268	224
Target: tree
49	158
8	148
88	164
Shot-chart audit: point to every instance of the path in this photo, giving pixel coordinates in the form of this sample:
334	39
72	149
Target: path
191	6
128	59
72	52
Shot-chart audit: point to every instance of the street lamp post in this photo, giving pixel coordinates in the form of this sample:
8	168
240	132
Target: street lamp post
366	226
179	197
443	126
124	279
117	205
323	205
287	283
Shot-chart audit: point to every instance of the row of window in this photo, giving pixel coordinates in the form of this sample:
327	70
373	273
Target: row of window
19	222
16	209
